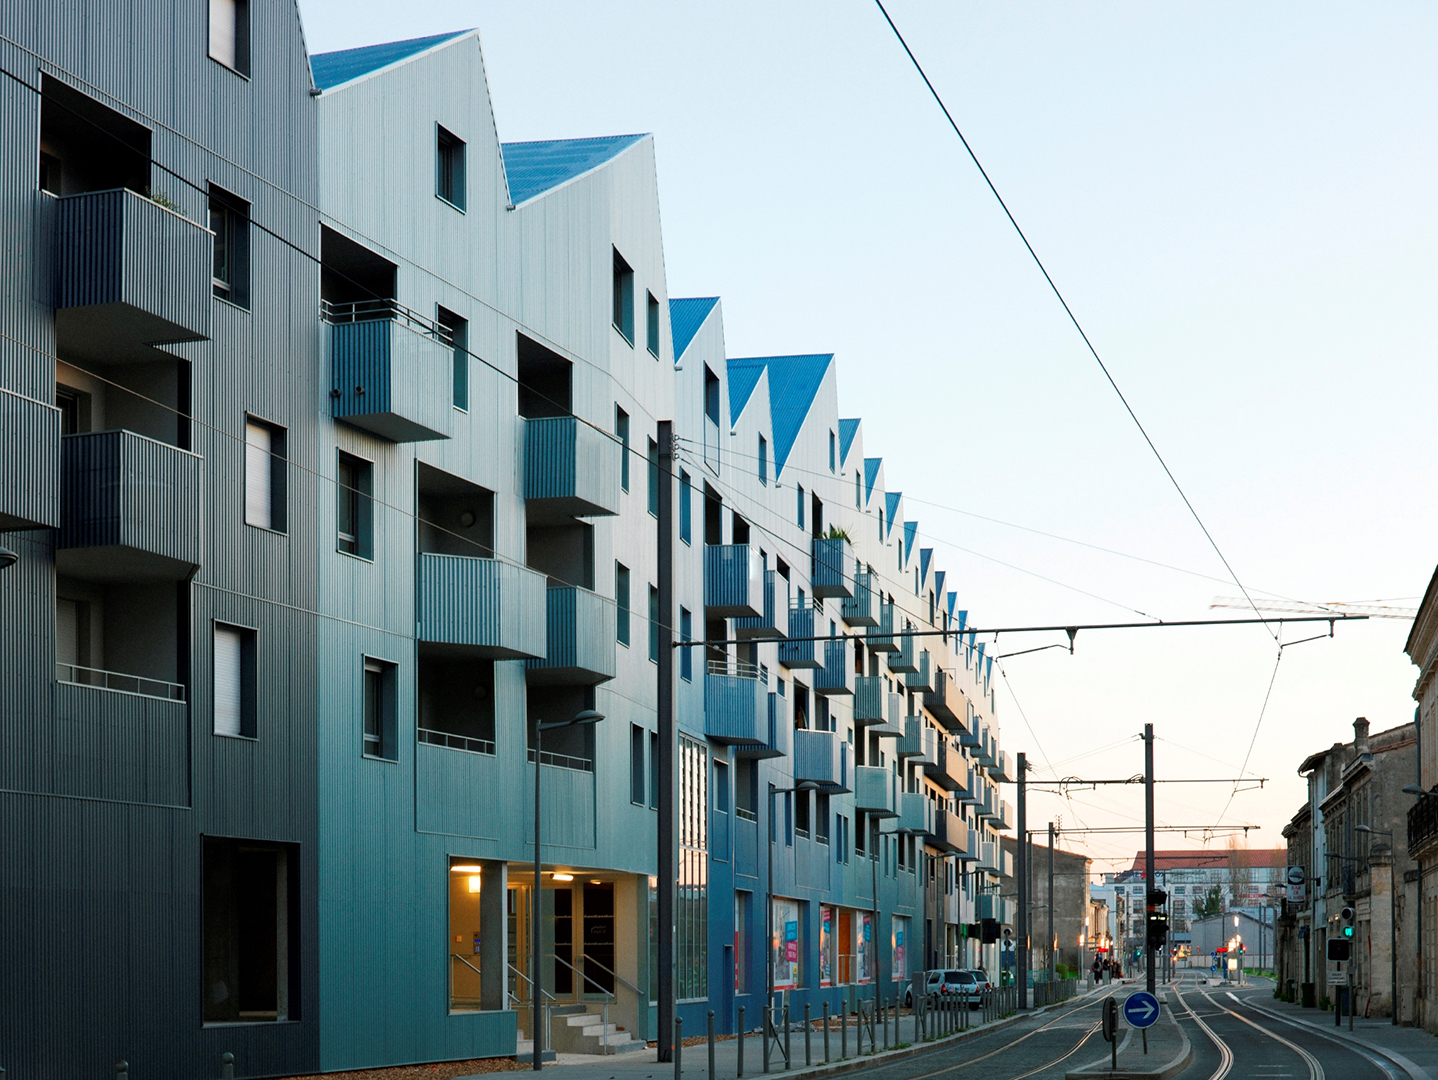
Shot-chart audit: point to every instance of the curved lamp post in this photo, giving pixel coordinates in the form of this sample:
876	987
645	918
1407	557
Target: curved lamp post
536	943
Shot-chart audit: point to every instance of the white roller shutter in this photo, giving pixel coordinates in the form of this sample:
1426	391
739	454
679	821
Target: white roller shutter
258	497
229	695
223	15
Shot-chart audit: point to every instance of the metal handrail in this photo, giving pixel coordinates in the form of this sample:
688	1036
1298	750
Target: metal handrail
466	963
562	761
611	972
609	996
87	676
542	991
455	742
558	960
735	669
383	309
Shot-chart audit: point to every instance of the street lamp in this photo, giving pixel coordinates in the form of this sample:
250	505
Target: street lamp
588	716
1392	919
7	558
806	786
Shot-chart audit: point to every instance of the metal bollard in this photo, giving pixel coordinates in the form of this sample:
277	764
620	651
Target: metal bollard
914	1011
767	1010
824	1010
788	1057
678	1044
843	1028
122	1070
711	1044
884	1019
741	1042
807	1029
227	1066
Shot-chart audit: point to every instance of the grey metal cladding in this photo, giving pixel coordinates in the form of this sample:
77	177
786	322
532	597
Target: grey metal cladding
29	463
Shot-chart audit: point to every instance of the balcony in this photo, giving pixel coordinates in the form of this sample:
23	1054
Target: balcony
733	581
570	469
391	371
579	640
832	558
971	734
988	858
911	743
1423	825
986	753
736	704
946	702
989	906
969	794
764	626
1004	821
949	833
949	770
29	463
776	734
1002	770
860	609
875	708
799	654
874	790
130	274
821	757
916	813
880	637
483	607
902	659
922	678
967	843
130	508
832	680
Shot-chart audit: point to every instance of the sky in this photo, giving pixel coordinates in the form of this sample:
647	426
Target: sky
1236	201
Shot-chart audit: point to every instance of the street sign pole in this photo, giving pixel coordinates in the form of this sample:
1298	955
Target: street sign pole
1148	882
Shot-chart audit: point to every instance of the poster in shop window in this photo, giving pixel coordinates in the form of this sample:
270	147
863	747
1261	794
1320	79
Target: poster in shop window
826	946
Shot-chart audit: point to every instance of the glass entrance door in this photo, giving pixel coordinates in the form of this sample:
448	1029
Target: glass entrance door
598	940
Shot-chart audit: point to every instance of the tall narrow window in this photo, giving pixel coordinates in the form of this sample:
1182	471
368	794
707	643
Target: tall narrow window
623	297
711	395
858	492
354	510
234	681
800	489
621	602
653	624
264	475
653	477
230	222
831	451
686	633
621	429
449	167
652	326
654	770
230	34
763	460
637	786
685	521
379	709
456	330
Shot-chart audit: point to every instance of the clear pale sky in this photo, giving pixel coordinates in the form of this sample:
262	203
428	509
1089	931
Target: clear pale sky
1238	202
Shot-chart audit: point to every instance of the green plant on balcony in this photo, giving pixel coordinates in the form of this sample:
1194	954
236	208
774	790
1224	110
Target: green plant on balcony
159	198
836	533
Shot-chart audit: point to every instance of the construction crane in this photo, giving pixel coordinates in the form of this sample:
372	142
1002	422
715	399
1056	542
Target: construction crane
1298	607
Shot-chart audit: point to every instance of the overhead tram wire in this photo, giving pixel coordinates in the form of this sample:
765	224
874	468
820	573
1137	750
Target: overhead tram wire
1069	312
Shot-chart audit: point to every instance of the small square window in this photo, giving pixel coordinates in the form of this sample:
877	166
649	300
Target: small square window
264	475
623	297
379	709
449	168
653	325
354	510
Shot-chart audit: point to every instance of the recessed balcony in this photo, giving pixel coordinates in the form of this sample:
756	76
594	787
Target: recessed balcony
130	274
875	790
832	680
765	626
29	463
579	640
130	509
391	370
482	607
821	757
570	469
801	653
832	558
736	704
733	581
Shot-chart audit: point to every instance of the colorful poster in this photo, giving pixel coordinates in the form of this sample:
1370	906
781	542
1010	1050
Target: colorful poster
863	957
900	952
826	946
784	948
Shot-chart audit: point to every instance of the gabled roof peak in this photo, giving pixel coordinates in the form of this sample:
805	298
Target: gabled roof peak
534	168
331	69
686	316
794	382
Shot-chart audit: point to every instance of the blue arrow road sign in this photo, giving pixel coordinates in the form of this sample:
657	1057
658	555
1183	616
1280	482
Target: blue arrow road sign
1140	1010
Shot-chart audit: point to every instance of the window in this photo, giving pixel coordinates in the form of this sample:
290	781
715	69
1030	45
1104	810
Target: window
686	656
653	770
746	790
721	787
691	904
621	428
858	492
711	395
636	764
831	451
230	222
234	683
821	817
763	460
653	324
653	477
801	813
623	297
653	624
230	34
801	505
456	330
251	932
449	167
354	517
379	709
621	603
264	475
684	511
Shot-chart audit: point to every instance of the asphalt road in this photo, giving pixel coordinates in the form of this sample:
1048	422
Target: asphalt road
1235	1039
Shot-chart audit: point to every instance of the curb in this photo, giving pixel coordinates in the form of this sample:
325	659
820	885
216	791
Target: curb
1168	1069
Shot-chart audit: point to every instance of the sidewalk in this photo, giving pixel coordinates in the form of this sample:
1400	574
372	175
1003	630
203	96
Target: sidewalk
1412	1050
694	1060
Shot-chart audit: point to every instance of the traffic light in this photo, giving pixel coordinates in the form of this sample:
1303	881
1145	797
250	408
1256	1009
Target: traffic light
1347	916
1157	930
989	931
1339	950
1348	931
973	930
1156	897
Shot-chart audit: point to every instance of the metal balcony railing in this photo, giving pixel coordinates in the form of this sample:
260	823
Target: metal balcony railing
387	309
1422	823
116	680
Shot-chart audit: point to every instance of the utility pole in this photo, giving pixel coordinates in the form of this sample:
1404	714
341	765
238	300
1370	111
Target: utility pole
1021	872
668	855
1052	971
1148	879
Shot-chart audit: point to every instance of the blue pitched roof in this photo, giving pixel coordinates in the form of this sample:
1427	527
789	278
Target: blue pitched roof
743	377
847	430
911	529
536	167
926	556
871	473
793	383
939	576
332	68
963	614
686	316
891	504
953	598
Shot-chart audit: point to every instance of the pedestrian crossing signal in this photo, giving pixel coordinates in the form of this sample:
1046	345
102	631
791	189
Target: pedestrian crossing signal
1348	931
